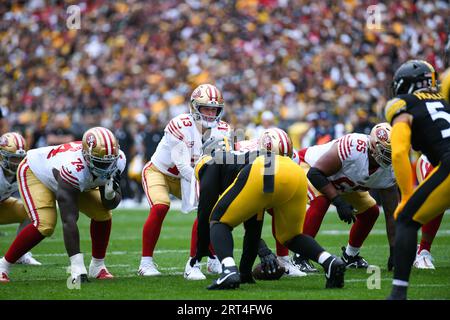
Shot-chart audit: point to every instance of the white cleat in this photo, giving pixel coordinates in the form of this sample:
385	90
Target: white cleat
193	273
28	259
99	271
424	260
291	269
4	270
214	265
148	269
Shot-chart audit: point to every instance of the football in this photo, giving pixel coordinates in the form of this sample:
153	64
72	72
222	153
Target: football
259	274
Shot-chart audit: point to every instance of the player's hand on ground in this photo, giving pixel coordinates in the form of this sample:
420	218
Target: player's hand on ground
345	211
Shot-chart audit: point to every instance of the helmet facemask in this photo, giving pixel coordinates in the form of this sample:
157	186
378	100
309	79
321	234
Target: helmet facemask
381	154
101	167
10	161
207	121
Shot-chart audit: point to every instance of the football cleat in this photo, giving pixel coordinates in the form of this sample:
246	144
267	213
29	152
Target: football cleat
354	262
99	271
4	277
334	272
303	264
148	269
291	270
424	260
194	272
214	265
229	279
28	259
398	293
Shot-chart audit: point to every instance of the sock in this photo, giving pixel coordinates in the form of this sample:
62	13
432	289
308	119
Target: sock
429	231
222	240
351	251
228	262
281	250
323	257
146	260
212	251
152	228
314	215
100	231
28	238
98	262
306	246
362	226
77	264
405	248
194	239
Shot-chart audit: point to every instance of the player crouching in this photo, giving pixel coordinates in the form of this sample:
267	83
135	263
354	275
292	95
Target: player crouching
81	176
12	151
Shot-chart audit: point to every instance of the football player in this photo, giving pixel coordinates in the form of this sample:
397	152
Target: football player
420	117
267	258
171	167
80	176
269	181
424	260
12	151
340	173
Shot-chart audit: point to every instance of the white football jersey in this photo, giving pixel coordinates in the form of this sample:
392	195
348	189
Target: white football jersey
6	188
177	159
354	175
69	161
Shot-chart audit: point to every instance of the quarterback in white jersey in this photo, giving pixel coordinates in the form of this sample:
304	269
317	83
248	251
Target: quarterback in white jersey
81	176
341	172
170	170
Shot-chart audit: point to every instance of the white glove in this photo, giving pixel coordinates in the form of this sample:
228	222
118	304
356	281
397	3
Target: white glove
77	267
109	190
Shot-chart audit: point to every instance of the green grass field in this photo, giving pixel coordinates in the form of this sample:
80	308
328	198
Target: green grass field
49	280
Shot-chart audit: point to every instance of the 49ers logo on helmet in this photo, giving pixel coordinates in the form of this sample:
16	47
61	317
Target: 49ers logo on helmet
3	142
91	140
267	142
197	93
382	134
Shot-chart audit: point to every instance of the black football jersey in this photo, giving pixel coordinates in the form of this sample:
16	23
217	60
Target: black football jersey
430	131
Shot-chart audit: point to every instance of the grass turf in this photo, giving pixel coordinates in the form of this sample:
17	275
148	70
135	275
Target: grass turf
49	281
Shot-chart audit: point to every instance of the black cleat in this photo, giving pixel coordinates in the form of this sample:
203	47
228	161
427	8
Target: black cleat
397	293
84	278
304	264
247	278
334	272
354	262
229	279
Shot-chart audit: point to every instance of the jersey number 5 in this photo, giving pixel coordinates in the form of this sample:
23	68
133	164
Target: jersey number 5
435	114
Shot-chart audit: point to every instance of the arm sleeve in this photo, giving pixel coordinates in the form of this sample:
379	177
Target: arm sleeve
181	156
401	144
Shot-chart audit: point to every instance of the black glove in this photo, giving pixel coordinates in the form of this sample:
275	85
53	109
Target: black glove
116	180
345	210
269	262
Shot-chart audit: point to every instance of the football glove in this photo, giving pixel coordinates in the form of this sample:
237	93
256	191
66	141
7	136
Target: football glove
112	185
269	262
345	211
213	145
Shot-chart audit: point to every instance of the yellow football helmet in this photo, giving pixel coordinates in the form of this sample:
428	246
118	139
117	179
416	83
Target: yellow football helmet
380	144
12	151
277	141
101	151
206	95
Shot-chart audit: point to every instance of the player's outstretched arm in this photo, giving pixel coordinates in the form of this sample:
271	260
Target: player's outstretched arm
67	196
327	165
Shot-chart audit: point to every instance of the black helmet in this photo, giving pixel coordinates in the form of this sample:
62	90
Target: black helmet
413	75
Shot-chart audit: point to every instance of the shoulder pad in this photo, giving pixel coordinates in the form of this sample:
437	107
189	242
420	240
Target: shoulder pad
393	108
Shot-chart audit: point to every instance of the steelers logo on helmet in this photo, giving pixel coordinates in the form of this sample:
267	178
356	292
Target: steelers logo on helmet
12	151
380	144
207	105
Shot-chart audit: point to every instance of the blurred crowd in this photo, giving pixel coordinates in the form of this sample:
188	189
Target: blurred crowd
312	67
